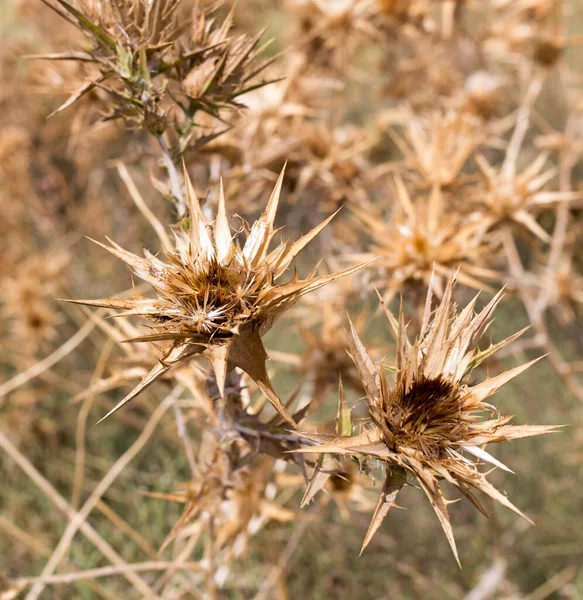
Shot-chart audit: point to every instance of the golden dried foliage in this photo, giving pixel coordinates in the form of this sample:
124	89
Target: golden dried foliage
450	131
424	242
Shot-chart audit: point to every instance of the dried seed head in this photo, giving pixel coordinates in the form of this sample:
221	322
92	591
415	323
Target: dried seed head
219	67
27	299
214	298
424	241
332	30
517	197
438	145
482	93
149	62
430	418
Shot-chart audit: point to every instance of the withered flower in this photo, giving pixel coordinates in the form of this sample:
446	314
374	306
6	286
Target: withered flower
430	419
332	160
234	488
516	197
424	241
531	29
214	298
431	17
26	299
129	41
438	145
219	67
331	30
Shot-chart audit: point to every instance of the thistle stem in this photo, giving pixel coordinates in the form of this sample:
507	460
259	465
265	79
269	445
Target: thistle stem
63	578
567	161
521	127
286	437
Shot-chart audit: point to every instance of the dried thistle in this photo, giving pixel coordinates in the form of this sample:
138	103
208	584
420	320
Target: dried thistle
152	63
214	298
338	476
214	79
348	489
431	17
232	487
27	299
416	52
430	417
129	41
332	30
525	29
333	161
424	241
508	196
481	94
438	145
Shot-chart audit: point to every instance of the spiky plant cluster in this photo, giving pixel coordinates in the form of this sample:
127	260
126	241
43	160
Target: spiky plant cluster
214	297
438	145
450	131
422	242
27	298
510	196
156	64
232	493
431	417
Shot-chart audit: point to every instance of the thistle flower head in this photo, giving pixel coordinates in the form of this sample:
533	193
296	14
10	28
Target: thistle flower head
515	197
26	299
430	418
128	43
214	297
481	93
439	145
132	21
424	241
333	160
529	28
220	66
333	29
